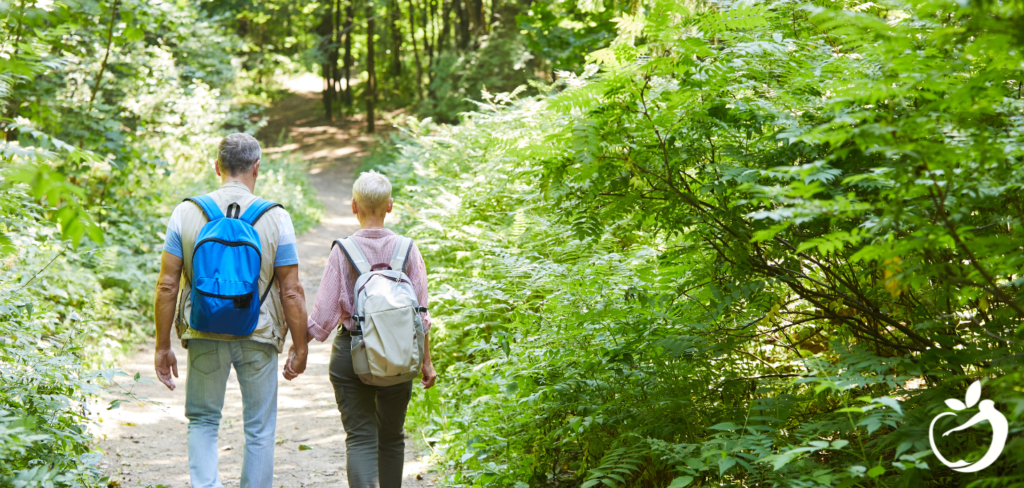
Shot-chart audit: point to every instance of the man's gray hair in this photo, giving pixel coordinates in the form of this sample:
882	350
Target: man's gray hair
237	153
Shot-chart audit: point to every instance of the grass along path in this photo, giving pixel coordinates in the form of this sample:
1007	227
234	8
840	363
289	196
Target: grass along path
146	444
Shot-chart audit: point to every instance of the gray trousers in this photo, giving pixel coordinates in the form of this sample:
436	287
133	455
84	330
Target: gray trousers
373	417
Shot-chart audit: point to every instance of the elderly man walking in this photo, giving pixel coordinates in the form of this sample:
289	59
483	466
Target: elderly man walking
223	253
373	406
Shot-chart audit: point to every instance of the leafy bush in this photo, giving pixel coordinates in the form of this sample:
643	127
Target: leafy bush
500	64
759	246
105	131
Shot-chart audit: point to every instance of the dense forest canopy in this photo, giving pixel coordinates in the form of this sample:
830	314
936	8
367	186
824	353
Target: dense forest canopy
671	243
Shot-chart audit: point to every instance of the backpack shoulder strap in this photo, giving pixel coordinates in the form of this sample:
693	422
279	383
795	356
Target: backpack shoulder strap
401	255
208	206
354	254
257	209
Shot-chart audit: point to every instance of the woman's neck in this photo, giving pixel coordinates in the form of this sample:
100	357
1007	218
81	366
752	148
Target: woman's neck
371	222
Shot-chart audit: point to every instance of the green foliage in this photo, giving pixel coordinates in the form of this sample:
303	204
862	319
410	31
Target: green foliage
499	65
111	115
759	247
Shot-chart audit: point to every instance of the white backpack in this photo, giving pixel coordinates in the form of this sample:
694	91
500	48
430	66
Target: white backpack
387	345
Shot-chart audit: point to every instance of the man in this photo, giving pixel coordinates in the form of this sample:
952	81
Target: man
211	355
373	416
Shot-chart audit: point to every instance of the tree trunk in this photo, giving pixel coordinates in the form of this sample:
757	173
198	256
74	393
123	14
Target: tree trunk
428	25
495	8
371	79
478	18
446	25
463	16
336	50
395	19
416	51
347	70
326	30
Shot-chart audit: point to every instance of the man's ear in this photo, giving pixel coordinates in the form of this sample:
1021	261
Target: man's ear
256	169
216	166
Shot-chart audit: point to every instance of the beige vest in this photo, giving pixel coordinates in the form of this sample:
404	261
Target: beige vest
271	327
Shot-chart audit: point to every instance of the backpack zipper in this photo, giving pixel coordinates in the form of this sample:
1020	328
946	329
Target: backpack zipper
225	297
396	280
226	243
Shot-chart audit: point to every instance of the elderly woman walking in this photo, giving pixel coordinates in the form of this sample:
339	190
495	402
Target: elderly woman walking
373	416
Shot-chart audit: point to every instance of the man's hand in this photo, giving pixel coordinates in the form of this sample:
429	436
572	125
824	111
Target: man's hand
296	363
293	299
429	375
163	310
166	364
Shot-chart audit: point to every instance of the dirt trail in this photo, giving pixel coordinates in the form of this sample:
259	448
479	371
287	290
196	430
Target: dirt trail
146	444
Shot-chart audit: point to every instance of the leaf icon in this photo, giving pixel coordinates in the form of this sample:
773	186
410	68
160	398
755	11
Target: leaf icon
955	404
973	393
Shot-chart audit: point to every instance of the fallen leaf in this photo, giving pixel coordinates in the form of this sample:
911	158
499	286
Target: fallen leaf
303	447
226	448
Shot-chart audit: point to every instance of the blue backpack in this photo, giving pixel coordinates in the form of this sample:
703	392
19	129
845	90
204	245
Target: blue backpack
226	269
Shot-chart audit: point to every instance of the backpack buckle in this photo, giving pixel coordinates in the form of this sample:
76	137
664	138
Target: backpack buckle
243	302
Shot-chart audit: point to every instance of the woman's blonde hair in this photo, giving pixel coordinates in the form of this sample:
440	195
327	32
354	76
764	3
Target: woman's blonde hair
372	192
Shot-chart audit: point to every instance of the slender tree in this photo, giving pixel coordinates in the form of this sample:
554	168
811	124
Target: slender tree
106	54
371	78
446	25
336	51
463	15
478	18
415	51
347	69
395	29
495	8
326	30
428	25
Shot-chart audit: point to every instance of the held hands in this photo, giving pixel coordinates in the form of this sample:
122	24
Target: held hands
165	364
296	363
429	375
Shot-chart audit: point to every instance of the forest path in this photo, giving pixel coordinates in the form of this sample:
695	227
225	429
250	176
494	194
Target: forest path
146	444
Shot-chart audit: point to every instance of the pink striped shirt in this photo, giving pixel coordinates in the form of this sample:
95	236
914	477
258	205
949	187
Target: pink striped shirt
335	300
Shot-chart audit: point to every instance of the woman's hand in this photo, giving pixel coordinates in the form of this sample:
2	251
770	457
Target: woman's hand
429	375
296	363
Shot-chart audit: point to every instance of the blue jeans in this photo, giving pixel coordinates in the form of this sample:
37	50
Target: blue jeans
209	363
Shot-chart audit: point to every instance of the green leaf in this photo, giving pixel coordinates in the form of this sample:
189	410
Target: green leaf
134	34
876	471
889	402
303	447
680	482
725	426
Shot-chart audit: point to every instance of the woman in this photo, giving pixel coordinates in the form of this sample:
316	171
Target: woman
373	416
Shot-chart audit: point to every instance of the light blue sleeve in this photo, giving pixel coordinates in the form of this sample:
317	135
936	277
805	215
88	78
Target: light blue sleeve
287	254
172	241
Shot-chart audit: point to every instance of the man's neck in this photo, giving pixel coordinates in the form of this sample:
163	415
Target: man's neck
248	182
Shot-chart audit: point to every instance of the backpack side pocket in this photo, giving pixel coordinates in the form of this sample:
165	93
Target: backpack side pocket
359	362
